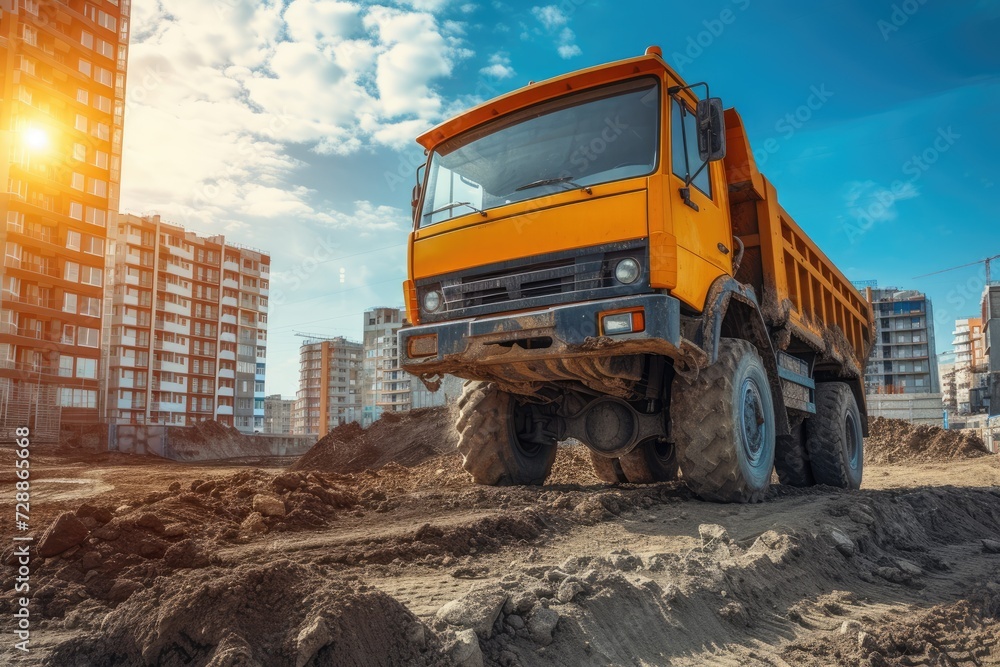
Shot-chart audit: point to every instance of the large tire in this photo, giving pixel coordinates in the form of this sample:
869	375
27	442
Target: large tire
834	437
723	425
791	459
654	460
491	450
607	470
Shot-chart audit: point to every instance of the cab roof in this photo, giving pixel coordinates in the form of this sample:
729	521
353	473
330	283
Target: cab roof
533	93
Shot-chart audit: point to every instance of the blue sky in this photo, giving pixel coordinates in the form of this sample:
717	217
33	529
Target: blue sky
289	126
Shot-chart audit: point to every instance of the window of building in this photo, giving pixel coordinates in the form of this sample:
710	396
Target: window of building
65	366
71	272
88	337
80	152
84	67
77	181
82	96
105	48
96	216
102	103
73	239
86	368
68	334
96	186
103	76
87	39
90	306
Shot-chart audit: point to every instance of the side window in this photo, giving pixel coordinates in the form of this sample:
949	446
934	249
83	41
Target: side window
684	147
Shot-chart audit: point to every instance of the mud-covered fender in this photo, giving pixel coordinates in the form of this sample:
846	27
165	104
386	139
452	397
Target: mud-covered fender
731	311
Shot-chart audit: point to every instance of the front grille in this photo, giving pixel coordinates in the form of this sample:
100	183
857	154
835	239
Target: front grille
538	281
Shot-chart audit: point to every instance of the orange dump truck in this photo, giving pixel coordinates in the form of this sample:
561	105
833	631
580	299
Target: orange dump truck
598	255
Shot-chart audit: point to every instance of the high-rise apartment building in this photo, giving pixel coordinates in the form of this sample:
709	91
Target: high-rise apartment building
386	387
62	102
329	385
991	344
968	344
903	359
188	327
278	415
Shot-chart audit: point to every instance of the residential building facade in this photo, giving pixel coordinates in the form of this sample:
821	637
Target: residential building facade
187	339
903	359
385	386
278	415
62	86
329	385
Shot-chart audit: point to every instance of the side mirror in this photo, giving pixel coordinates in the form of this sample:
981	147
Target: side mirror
711	129
414	201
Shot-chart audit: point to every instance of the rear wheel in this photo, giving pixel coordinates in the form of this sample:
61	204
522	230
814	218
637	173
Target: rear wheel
834	437
723	425
495	440
791	460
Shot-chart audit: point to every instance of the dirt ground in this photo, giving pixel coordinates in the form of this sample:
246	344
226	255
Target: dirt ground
265	562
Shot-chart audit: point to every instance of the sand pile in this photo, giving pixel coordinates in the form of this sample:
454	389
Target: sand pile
404	438
280	613
898	441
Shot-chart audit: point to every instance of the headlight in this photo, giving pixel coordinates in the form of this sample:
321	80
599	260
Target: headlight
432	301
627	271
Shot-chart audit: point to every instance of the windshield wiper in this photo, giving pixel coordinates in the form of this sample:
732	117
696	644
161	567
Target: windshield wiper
448	207
564	180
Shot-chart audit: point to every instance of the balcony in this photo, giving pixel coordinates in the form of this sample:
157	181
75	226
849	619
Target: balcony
227	337
227	355
228	319
230	283
229	301
224	410
174	288
166	406
227	373
177	270
226	391
174	387
231	266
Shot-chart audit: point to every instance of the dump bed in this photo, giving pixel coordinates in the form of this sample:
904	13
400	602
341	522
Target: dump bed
804	297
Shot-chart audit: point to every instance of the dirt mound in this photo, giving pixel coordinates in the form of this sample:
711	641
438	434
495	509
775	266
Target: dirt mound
281	613
212	440
898	441
404	438
950	634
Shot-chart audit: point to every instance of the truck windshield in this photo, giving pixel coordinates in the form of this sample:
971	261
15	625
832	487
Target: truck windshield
595	136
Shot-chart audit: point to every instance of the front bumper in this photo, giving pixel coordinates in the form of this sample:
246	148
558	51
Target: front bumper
524	345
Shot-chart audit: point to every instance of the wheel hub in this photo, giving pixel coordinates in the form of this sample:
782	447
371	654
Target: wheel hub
753	426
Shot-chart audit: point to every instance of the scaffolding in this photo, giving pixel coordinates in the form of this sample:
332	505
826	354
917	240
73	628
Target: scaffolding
33	405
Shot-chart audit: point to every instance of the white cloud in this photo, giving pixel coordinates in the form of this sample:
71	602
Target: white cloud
220	96
870	202
499	67
556	22
550	16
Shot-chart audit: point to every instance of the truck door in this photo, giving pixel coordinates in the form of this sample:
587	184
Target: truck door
704	236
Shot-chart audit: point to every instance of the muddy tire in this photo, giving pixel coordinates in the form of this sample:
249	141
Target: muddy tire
654	460
607	470
724	428
791	459
834	437
491	451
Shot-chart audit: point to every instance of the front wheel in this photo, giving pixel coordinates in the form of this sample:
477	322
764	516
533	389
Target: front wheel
723	424
834	437
496	447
